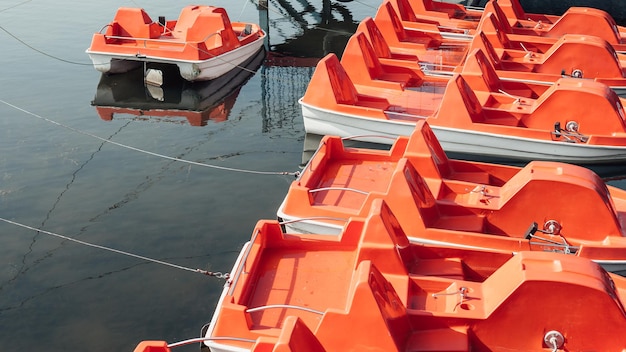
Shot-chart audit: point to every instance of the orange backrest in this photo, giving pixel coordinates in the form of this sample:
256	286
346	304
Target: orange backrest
342	87
387	13
438	8
395	231
419	6
295	336
422	196
376	38
329	83
513	9
477	63
489	24
405	11
186	20
498	16
373	305
473	106
437	154
199	23
365	62
481	42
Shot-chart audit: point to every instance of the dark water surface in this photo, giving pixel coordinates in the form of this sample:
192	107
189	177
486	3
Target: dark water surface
57	295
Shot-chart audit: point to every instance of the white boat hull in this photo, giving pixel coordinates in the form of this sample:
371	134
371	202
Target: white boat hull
328	122
190	70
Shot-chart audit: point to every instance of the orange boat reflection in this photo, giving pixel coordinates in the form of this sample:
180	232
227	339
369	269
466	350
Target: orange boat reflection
197	103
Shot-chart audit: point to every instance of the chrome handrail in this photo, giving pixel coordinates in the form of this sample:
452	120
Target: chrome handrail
273	306
338	189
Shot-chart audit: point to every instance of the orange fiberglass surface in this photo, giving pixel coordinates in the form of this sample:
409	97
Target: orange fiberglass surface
461	203
371	289
513	56
202	42
457	20
475	112
123	95
586	20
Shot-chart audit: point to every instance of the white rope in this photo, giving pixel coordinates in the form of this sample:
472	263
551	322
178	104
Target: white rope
216	274
145	151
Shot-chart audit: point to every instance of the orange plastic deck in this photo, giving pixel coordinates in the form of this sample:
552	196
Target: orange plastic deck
315	279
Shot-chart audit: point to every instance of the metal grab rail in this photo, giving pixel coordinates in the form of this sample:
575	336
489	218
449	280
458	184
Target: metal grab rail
145	39
446	33
204	339
158	40
284	222
274	306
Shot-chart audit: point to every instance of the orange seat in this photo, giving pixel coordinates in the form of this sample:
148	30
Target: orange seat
133	23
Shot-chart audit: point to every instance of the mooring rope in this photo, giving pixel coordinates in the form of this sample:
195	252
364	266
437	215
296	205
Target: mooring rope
41	51
216	274
225	168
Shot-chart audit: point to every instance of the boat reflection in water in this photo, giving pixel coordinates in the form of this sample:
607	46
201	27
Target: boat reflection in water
198	102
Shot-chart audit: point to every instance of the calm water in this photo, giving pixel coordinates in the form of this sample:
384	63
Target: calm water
56	295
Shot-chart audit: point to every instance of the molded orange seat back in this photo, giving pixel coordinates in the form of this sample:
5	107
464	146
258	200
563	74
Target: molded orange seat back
376	38
478	64
513	9
364	67
460	104
134	23
424	148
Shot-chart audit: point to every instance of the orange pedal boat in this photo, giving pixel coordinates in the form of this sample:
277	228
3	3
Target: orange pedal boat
202	42
461	203
457	21
477	113
298	292
522	58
